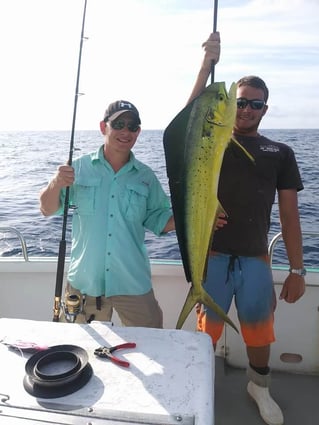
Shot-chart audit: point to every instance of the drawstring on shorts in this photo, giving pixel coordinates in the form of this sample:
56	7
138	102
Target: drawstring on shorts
231	266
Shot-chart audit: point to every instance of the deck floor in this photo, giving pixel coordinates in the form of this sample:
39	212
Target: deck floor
297	395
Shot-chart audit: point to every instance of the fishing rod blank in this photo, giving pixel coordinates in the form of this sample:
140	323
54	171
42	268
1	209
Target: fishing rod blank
62	245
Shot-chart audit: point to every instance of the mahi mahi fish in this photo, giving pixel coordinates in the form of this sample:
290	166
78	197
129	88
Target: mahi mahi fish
194	145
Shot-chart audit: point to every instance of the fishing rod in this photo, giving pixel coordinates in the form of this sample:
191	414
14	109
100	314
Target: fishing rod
212	71
74	302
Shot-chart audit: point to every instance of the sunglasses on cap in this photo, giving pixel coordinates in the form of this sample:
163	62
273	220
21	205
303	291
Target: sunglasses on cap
120	124
242	103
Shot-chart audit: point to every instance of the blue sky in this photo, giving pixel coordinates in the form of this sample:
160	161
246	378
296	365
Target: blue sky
149	52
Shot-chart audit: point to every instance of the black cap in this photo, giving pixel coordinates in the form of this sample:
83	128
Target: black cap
118	108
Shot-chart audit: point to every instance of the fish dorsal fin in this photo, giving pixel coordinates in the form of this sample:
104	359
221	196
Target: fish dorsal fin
243	149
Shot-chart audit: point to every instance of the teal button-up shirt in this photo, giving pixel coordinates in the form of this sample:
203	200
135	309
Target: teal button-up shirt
113	209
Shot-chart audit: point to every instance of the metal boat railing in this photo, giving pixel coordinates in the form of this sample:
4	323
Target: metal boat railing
271	246
20	237
278	237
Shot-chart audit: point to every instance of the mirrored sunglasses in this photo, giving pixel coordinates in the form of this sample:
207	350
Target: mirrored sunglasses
120	124
242	103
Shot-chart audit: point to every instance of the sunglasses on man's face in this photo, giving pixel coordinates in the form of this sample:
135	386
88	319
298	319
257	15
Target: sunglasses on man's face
120	124
242	103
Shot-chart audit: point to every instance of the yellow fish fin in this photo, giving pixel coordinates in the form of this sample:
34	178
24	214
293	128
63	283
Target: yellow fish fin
204	298
219	210
189	304
207	300
243	149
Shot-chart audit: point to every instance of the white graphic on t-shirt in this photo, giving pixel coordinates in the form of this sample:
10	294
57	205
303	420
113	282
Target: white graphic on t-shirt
269	148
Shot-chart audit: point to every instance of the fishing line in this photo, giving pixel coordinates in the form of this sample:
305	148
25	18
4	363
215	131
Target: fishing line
212	71
62	245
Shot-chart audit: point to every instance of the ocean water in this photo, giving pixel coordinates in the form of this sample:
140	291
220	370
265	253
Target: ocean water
29	159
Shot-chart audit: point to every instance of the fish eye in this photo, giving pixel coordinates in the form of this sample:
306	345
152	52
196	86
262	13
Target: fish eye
221	96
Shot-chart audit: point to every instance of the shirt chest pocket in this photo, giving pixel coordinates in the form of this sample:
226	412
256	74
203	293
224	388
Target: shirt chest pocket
85	195
137	202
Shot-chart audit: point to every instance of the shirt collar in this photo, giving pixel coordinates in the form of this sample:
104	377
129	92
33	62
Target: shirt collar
99	156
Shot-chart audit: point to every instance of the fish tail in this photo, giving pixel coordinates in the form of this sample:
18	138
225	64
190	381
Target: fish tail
208	301
203	297
189	304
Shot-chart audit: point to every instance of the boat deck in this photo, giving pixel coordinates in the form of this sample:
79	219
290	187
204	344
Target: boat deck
296	394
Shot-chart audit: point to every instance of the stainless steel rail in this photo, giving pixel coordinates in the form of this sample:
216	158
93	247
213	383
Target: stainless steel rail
271	246
20	237
278	237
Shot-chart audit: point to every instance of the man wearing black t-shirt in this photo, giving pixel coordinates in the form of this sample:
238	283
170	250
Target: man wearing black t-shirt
238	265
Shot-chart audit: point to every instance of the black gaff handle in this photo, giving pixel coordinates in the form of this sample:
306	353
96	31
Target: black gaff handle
212	71
62	246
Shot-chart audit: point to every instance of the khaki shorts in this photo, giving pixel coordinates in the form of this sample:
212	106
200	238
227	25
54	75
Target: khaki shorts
133	310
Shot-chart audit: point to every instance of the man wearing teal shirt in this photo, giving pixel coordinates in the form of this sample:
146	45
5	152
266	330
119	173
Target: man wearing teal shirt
116	197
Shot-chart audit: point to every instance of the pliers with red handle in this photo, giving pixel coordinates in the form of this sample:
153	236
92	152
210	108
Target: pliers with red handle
106	352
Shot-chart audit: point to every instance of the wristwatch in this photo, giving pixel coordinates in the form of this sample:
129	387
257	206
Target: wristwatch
300	272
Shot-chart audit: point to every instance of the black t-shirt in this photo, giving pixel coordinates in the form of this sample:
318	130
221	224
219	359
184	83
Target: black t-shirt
247	192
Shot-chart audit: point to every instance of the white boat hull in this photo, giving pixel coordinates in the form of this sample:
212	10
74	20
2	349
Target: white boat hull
27	292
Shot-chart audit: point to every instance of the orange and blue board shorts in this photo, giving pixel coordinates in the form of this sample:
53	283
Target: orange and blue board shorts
249	281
